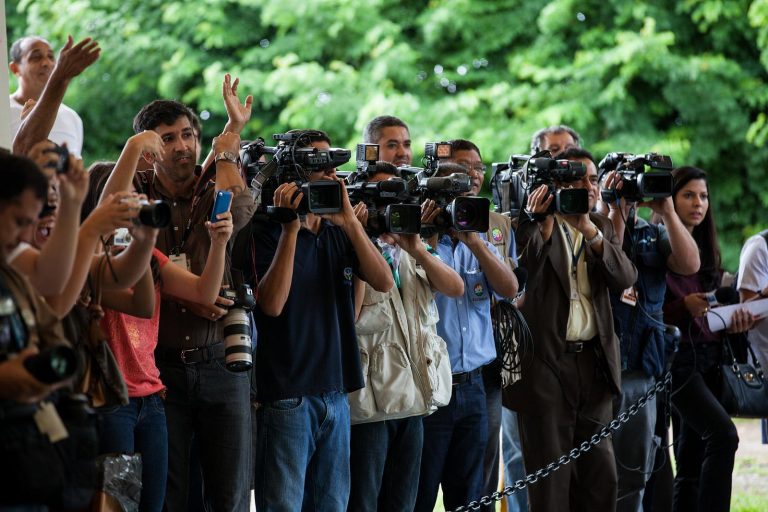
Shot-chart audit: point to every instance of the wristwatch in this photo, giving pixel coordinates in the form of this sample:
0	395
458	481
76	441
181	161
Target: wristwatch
595	239
227	156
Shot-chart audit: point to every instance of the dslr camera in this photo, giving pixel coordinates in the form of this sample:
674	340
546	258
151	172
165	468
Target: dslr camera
155	214
523	174
643	176
61	165
238	351
293	159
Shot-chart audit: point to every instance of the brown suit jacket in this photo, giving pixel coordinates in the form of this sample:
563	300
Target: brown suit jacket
546	309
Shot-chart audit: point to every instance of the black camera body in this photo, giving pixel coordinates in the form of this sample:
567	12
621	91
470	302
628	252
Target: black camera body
293	160
434	152
643	176
155	214
241	295
398	218
390	207
61	165
523	174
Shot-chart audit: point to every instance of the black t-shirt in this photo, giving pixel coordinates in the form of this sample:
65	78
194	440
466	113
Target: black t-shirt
311	348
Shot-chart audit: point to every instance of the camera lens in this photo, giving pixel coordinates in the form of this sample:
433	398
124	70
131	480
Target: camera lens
52	365
156	214
238	353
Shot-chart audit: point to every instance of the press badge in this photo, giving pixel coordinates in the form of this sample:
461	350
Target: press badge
49	423
629	296
180	260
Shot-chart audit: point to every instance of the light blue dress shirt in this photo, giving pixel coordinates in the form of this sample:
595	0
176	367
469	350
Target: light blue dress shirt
465	322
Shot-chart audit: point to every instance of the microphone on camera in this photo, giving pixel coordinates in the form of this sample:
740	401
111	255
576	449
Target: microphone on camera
726	295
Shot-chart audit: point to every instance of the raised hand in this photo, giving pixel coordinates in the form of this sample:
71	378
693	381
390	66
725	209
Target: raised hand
239	113
221	230
75	58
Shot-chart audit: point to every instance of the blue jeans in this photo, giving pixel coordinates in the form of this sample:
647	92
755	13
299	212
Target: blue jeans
493	448
513	460
385	460
209	403
139	427
303	445
455	437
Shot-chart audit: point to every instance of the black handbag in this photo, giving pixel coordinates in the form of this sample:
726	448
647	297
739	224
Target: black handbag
744	391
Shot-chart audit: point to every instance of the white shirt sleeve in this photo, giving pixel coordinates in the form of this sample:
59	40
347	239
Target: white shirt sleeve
753	265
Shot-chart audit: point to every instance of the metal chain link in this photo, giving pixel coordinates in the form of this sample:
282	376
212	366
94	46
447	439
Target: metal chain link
575	453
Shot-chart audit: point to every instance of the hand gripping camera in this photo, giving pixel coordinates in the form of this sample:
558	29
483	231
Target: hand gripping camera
293	160
238	351
643	176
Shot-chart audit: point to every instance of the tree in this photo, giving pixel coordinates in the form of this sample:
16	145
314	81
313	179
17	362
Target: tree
686	79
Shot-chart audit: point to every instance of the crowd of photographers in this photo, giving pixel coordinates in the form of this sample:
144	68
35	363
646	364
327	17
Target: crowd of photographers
257	322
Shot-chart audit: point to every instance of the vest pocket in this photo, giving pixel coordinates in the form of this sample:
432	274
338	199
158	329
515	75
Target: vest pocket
361	402
438	370
392	380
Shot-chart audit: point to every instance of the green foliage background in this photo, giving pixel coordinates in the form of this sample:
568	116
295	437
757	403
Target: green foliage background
685	78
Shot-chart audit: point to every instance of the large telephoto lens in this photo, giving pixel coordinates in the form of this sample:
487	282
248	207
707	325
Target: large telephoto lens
238	352
52	365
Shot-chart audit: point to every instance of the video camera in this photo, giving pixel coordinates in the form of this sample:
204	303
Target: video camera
293	159
461	213
389	205
643	176
523	174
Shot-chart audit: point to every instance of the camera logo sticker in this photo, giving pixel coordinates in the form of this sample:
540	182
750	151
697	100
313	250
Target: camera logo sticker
496	235
348	275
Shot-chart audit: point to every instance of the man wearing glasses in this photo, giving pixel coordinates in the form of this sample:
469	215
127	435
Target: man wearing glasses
501	235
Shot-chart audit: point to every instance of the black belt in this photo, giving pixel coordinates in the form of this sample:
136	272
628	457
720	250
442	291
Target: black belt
461	378
576	347
193	355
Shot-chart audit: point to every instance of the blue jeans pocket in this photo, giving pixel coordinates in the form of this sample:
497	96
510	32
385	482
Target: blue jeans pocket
287	404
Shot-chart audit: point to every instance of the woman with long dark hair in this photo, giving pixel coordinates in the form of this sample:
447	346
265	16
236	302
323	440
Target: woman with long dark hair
705	437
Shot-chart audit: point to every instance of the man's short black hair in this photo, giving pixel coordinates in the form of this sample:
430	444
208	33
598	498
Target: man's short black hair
160	112
382	167
538	138
19	173
372	131
17	52
308	136
465	145
577	154
447	168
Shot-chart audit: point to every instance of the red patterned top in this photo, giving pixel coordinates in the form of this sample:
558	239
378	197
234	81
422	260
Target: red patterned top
133	341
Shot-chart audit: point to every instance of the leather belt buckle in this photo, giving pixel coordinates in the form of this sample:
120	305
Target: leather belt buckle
183	355
574	347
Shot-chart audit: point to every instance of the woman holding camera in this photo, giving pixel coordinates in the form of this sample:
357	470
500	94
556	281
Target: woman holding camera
705	437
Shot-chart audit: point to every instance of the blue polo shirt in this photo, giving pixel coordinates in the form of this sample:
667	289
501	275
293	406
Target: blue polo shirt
311	348
465	322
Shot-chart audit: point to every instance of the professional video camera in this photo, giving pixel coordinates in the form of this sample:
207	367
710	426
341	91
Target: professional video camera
387	201
238	352
461	213
293	159
643	176
434	152
523	174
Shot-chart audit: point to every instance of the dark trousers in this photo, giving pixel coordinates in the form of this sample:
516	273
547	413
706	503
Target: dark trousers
706	438
454	447
589	483
385	458
492	382
212	405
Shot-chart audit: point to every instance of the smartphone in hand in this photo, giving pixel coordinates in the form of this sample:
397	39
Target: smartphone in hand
221	204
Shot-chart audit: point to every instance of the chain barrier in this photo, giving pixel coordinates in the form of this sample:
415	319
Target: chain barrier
575	453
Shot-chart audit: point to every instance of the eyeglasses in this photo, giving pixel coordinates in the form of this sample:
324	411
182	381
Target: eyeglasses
479	167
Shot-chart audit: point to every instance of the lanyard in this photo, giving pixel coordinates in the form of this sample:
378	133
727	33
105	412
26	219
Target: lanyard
575	255
199	191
